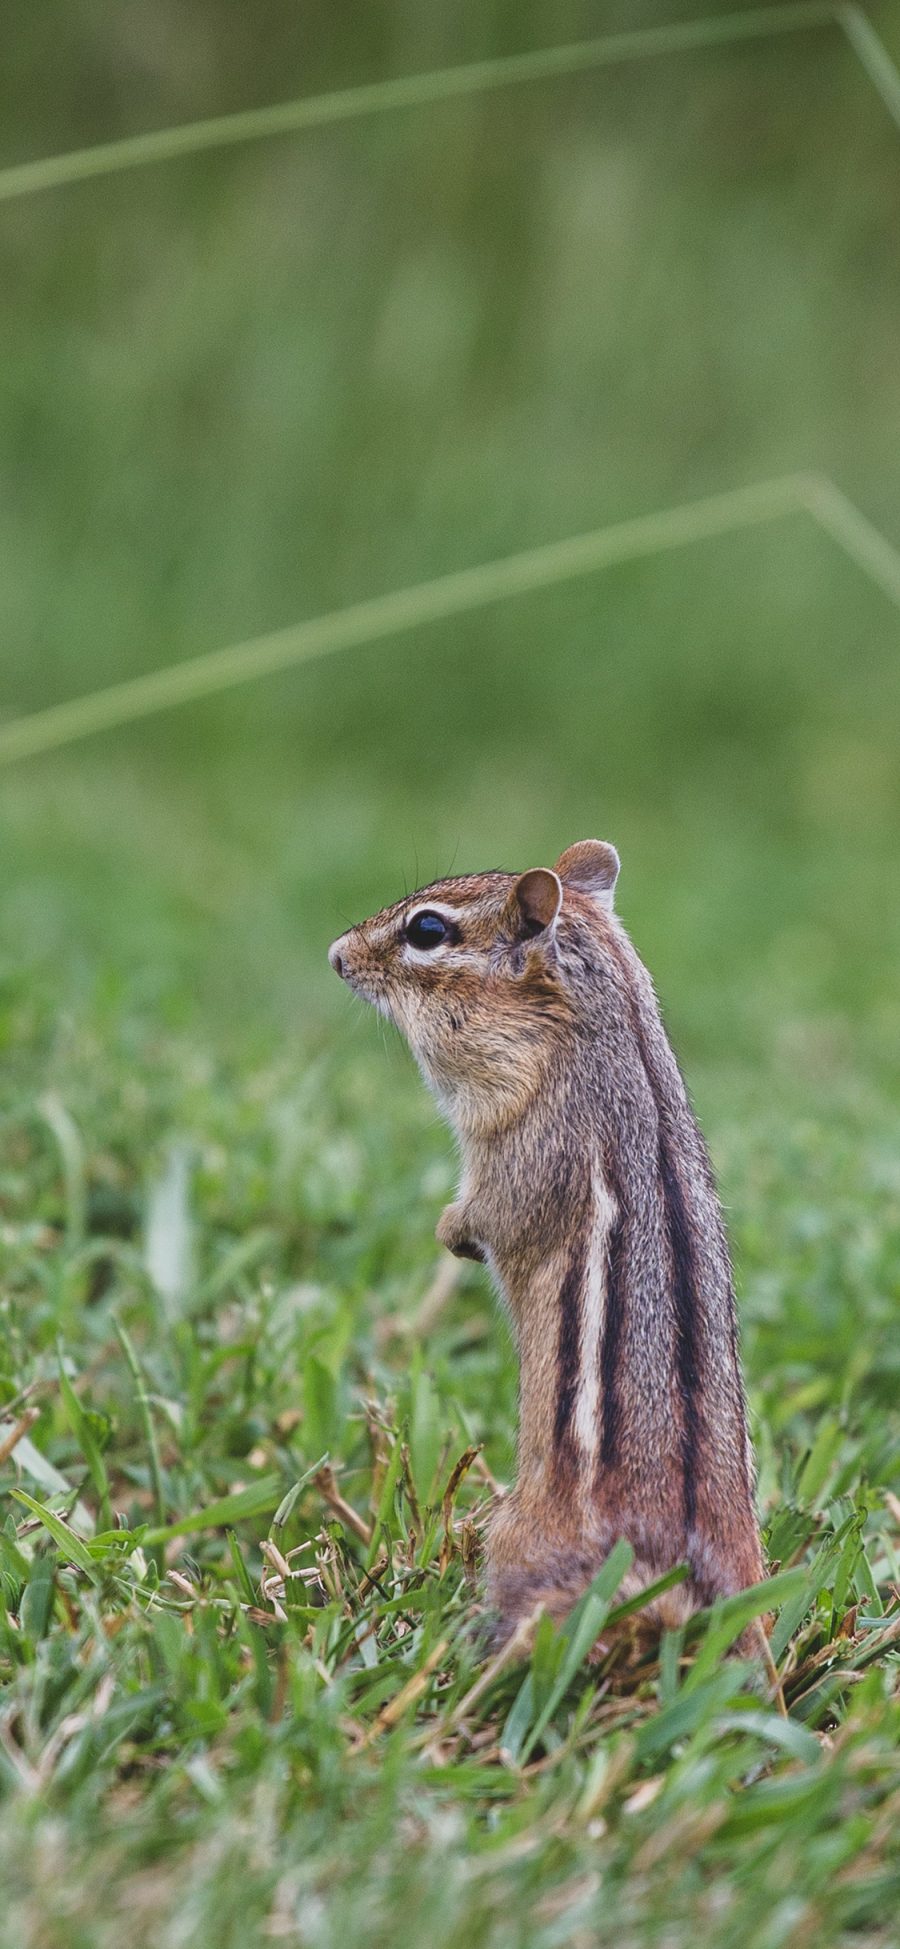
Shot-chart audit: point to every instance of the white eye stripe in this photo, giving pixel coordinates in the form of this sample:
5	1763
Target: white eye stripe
441	951
433	907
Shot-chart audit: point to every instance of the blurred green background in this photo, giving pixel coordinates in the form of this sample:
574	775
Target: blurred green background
255	385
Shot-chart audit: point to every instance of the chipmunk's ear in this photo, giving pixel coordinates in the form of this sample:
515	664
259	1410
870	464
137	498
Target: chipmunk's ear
591	866
535	902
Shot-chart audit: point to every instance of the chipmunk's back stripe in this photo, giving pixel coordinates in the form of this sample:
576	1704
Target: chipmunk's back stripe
684	1285
569	1349
613	1323
683	1263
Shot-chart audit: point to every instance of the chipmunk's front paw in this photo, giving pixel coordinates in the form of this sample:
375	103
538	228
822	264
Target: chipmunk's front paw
454	1230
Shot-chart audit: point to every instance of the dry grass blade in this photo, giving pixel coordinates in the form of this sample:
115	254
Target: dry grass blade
433	1303
437	1297
16	1433
370	1578
407	1695
447	1500
327	1486
892	1503
776	1692
516	1646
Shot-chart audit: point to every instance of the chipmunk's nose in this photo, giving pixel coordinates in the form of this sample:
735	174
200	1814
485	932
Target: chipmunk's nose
336	957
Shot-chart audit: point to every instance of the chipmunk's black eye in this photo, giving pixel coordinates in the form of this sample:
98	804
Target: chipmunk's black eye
427	930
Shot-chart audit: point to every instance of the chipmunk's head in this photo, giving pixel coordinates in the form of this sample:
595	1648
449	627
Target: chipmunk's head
482	974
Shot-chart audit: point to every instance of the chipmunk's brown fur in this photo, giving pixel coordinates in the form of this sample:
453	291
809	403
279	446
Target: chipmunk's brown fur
587	1189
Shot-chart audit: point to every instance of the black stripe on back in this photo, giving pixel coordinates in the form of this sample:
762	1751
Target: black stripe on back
569	1347
683	1262
687	1351
684	1271
613	1322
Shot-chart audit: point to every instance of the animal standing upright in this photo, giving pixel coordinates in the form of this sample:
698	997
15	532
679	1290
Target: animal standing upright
587	1189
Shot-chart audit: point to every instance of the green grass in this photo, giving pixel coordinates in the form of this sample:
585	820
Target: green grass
238	392
195	1329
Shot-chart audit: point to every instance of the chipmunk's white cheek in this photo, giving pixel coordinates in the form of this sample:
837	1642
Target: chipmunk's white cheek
400	1008
424	1035
383	1003
423	957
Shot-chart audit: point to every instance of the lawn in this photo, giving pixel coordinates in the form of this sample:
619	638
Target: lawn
250	1422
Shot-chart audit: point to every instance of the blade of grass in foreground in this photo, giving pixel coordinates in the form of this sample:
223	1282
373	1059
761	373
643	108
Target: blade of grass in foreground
572	1644
724	1622
69	1545
256	1500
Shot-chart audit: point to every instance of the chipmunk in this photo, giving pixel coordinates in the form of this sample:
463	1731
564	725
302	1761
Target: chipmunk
587	1190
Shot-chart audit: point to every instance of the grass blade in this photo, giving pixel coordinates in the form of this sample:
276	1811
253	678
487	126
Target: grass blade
256	1500
143	1402
87	1442
69	1545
